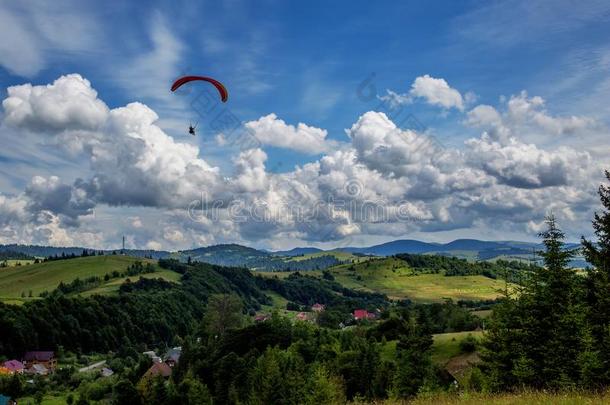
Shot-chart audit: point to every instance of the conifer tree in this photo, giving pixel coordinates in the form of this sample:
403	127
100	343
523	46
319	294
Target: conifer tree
598	286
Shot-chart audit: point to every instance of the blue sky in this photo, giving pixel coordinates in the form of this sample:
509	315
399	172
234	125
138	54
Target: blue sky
511	93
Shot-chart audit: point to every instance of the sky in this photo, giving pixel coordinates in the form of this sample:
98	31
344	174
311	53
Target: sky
348	123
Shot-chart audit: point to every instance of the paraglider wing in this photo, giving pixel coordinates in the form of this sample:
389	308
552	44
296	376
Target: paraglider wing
224	95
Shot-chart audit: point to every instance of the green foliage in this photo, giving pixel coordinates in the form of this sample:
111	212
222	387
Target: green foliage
102	323
224	312
513	271
537	339
598	292
468	344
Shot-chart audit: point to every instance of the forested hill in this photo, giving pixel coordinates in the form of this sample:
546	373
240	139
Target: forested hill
154	311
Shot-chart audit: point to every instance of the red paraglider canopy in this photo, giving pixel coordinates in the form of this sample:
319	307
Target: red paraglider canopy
224	95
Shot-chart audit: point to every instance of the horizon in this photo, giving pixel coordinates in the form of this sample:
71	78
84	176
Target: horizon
285	250
414	122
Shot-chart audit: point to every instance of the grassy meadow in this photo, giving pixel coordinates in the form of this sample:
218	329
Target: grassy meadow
394	278
15	281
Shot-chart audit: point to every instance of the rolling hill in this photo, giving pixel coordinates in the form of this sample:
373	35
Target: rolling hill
396	279
37	278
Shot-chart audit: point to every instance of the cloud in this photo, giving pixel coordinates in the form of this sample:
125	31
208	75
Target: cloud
35	31
148	73
385	181
69	104
434	91
273	131
524	165
437	92
526	117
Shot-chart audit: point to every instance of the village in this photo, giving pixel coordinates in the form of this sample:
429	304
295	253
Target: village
37	365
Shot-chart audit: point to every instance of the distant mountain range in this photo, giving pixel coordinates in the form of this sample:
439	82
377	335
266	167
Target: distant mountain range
313	258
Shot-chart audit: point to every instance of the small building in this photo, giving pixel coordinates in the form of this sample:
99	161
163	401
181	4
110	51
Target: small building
44	358
38	369
303	316
261	318
15	366
360	314
156	369
153	356
172	357
317	307
106	372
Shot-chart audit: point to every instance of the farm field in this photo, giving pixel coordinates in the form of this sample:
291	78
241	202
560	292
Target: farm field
343	256
46	276
445	347
113	285
394	278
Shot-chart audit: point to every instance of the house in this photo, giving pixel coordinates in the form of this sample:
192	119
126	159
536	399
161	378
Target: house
38	369
261	318
44	358
15	366
302	316
317	307
106	372
156	369
172	357
153	356
363	314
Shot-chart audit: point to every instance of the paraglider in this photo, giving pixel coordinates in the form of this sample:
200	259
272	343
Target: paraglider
222	91
224	95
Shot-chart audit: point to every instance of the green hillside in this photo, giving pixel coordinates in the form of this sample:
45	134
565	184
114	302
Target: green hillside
397	280
339	255
46	276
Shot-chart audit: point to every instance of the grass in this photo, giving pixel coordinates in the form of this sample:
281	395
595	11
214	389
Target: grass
47	400
343	256
447	345
482	313
394	278
18	262
112	286
524	398
46	276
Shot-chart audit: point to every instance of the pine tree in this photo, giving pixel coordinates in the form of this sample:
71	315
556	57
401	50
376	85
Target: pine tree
598	286
535	338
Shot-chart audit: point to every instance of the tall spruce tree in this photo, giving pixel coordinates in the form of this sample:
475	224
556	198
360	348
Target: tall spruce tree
534	338
598	286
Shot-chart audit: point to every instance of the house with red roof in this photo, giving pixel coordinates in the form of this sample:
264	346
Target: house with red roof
262	318
363	314
156	369
317	307
14	366
303	316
